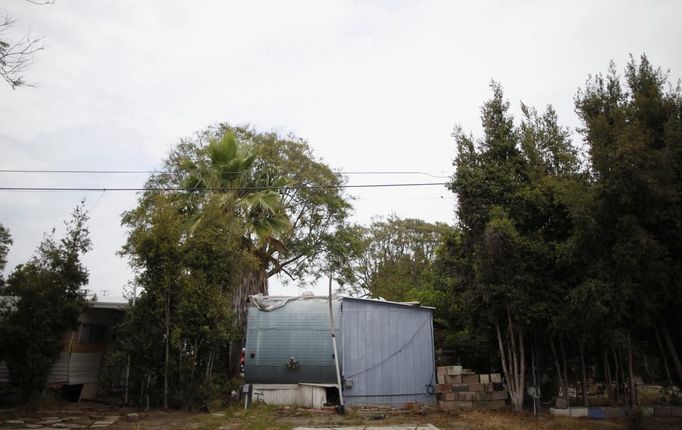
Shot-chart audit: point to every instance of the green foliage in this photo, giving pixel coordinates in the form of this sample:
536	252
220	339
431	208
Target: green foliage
192	277
43	299
199	254
584	251
290	227
392	259
635	144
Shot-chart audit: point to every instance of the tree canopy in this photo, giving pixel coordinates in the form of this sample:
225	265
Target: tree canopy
43	298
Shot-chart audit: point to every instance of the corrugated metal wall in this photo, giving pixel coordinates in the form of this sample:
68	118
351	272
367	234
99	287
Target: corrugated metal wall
59	373
84	367
301	329
388	354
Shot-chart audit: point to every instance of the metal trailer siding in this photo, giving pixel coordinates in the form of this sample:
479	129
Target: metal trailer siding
300	329
58	374
85	367
388	356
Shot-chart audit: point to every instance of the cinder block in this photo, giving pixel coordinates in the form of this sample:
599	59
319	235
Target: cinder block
467	396
560	412
441	379
495	377
579	412
467	372
484	396
596	413
448	396
477	387
441	370
484	378
460	387
464	404
454	370
470	379
453	379
443	388
500	395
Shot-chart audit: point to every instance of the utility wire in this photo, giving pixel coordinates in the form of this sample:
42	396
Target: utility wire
116	172
256	188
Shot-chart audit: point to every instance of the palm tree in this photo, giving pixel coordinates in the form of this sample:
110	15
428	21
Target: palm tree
227	177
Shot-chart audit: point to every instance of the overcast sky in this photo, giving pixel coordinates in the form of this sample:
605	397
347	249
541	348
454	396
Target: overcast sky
371	85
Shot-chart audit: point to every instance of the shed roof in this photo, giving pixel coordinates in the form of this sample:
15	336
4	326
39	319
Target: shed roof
269	303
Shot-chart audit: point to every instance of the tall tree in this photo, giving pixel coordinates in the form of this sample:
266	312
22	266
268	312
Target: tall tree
48	297
392	259
289	203
511	187
252	197
182	320
634	136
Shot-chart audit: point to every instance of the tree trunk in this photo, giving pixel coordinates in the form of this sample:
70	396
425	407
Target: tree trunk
251	283
165	368
560	385
663	356
191	375
647	369
584	373
142	381
565	363
673	352
234	357
607	377
149	382
623	380
208	367
617	380
631	374
536	388
503	356
513	361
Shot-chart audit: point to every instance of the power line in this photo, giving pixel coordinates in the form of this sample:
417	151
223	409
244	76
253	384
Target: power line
185	189
147	172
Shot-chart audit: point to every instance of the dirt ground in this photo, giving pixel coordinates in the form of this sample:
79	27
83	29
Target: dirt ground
286	418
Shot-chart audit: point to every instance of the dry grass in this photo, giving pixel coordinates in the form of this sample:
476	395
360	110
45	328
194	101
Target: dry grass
285	418
267	418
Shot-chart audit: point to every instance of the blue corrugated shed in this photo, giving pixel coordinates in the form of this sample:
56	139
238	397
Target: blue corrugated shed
388	353
386	348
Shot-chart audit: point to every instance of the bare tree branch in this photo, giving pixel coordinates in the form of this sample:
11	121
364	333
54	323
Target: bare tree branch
16	56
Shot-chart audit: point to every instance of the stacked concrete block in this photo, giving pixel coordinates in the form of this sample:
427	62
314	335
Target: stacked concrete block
460	388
